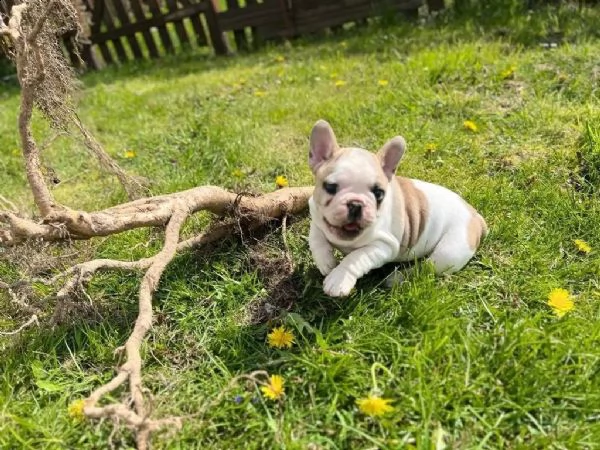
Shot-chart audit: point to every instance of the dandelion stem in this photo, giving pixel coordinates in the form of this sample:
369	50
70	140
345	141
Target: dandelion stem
374	377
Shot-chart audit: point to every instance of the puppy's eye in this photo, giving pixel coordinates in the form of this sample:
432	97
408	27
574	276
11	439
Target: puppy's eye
330	188
378	193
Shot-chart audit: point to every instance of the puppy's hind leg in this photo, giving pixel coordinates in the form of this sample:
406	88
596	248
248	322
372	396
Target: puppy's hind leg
452	252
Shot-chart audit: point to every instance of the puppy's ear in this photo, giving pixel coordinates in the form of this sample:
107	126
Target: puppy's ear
322	144
391	154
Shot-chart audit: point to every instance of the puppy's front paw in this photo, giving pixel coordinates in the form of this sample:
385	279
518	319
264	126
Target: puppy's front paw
326	264
339	283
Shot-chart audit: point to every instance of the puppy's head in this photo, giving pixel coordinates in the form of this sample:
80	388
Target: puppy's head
351	183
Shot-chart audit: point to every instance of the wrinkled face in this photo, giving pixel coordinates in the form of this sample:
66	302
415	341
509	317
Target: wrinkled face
351	183
349	191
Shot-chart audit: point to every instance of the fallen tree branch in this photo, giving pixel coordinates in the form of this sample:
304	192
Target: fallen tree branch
151	212
47	84
172	210
132	369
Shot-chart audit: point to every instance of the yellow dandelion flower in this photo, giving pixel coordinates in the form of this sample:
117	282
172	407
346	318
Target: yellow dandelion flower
334	75
237	173
560	301
281	181
75	410
431	147
259	93
274	389
582	246
508	74
374	406
470	125
383	82
280	338
129	154
340	83
279	58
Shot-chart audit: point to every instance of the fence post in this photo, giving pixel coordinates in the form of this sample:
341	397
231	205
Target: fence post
241	42
219	41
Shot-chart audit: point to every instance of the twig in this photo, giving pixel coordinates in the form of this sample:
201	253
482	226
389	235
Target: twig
32	319
132	369
16	300
48	142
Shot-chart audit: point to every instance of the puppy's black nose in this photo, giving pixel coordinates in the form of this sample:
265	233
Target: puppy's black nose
354	211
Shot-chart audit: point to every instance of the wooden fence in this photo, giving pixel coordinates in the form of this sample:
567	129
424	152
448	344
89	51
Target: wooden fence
253	22
125	30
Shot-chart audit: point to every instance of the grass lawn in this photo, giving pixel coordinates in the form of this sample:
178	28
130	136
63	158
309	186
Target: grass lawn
473	360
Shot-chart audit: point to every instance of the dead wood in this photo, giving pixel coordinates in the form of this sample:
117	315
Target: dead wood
47	83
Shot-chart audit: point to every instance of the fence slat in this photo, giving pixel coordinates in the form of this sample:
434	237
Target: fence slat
97	8
239	35
219	42
138	12
158	21
251	16
162	29
253	33
201	38
110	25
179	28
123	17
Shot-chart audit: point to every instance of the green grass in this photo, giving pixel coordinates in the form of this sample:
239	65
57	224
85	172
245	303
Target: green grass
477	357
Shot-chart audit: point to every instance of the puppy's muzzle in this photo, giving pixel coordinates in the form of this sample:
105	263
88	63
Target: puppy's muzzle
354	211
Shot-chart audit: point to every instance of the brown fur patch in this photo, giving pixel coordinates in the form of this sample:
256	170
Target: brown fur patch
477	228
382	180
416	212
323	172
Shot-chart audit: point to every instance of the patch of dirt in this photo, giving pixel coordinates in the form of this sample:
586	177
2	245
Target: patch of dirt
506	163
282	289
585	176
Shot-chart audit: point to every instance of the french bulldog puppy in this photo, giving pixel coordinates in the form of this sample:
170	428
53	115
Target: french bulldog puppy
373	217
